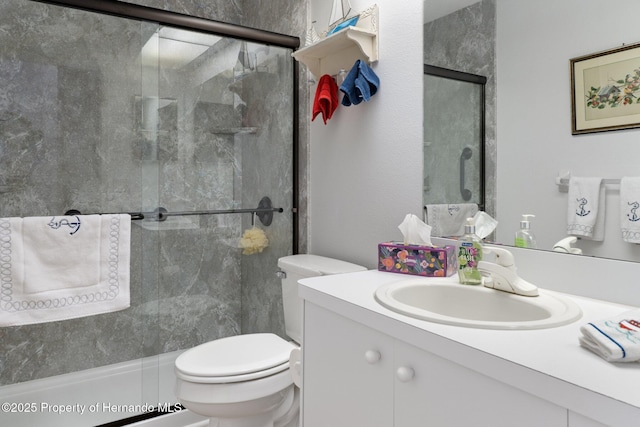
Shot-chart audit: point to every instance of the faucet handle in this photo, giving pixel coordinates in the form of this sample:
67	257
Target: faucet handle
564	245
503	256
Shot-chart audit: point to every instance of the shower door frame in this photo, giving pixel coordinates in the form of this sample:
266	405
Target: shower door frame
188	22
481	81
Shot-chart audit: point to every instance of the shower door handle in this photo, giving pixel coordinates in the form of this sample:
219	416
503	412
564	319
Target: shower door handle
466	155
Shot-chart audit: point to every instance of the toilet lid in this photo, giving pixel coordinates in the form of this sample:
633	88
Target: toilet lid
237	355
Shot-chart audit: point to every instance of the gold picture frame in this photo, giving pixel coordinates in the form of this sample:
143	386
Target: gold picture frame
605	90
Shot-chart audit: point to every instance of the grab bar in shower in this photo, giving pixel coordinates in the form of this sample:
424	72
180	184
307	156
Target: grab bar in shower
264	212
466	155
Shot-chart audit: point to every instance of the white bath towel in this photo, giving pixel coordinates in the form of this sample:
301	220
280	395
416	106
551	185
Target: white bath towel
629	204
56	268
616	339
449	220
586	206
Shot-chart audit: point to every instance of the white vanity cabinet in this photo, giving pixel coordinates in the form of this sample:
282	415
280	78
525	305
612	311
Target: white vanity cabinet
357	376
346	372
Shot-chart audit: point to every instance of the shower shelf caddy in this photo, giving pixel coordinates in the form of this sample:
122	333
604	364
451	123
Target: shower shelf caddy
340	50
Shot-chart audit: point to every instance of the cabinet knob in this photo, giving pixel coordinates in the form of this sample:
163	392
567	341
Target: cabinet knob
405	374
372	356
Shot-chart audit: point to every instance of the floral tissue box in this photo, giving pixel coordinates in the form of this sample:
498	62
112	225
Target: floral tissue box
428	261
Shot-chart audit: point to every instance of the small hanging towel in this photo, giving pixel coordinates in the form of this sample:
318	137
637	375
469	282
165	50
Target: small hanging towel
585	212
326	99
629	204
360	84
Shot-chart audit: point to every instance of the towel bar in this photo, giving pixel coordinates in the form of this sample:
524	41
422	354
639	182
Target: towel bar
264	212
562	181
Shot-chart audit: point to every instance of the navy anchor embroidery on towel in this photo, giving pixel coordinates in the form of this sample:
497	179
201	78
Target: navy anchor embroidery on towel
633	214
452	209
581	211
73	225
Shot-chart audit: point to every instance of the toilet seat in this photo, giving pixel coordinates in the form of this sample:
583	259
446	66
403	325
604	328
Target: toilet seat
235	359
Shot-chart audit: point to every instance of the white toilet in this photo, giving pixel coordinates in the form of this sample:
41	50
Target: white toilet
248	380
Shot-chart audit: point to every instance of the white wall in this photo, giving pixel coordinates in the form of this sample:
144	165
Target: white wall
535	41
366	163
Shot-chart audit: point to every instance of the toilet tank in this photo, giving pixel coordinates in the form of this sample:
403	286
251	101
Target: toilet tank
297	267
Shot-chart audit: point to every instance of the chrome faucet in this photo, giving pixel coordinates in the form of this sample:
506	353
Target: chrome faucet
502	275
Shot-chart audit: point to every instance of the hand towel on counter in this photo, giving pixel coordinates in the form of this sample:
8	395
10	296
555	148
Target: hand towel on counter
449	220
616	339
586	206
64	267
629	204
326	99
360	84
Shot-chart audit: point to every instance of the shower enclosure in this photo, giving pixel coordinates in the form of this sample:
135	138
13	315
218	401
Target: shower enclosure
454	137
147	113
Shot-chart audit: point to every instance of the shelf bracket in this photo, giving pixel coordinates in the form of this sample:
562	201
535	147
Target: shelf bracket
340	50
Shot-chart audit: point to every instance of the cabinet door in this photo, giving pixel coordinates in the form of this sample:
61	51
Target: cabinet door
444	394
347	380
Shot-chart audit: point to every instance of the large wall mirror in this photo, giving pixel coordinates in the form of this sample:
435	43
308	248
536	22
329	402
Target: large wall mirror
524	49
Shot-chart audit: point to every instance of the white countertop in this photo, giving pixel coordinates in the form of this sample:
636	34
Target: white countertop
548	363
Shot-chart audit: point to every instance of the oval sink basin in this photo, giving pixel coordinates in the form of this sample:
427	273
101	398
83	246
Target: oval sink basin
441	301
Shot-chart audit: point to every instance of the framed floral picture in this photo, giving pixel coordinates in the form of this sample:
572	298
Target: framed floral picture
605	90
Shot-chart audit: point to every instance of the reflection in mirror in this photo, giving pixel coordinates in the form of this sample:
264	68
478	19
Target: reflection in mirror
529	88
463	41
453	137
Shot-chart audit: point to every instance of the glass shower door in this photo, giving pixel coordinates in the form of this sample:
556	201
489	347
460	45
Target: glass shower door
66	132
453	137
107	114
215	133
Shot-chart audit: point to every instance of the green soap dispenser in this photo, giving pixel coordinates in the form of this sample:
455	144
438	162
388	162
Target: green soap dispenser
524	236
469	254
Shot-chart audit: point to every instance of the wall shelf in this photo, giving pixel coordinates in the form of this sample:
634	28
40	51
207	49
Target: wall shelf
340	50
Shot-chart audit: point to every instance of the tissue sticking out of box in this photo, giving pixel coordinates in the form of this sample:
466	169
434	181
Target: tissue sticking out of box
415	231
484	223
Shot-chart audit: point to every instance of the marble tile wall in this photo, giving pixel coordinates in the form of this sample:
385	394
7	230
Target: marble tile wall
58	152
72	136
261	290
